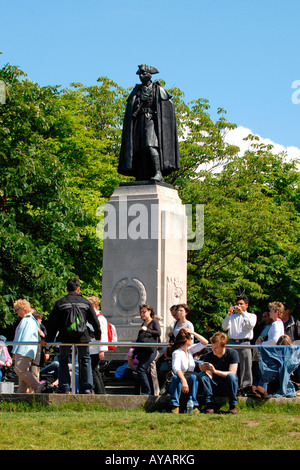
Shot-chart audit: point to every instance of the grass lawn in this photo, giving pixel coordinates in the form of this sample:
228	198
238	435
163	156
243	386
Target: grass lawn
91	427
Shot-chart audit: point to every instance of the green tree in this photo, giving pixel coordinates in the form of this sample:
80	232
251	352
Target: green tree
90	156
58	158
39	220
252	228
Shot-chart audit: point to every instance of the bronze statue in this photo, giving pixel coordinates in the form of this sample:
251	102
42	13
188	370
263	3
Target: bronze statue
149	147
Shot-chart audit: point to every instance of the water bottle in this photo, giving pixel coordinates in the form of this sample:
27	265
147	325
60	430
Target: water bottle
190	405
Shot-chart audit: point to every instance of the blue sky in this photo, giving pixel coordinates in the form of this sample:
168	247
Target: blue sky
242	55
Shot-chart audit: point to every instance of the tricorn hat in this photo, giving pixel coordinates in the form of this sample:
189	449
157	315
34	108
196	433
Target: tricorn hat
146	68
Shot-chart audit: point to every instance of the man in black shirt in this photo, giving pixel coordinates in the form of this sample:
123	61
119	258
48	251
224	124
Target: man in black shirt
218	376
58	323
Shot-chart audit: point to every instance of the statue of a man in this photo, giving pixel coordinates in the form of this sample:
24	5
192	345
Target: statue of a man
149	148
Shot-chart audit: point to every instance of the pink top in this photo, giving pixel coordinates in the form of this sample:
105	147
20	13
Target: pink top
4	356
135	362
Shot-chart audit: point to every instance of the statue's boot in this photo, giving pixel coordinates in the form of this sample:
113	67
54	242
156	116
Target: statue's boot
158	176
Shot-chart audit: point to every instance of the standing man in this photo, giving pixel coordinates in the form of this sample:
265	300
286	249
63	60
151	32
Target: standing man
149	148
291	324
58	322
240	323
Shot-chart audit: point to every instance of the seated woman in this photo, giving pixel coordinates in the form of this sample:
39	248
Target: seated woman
183	365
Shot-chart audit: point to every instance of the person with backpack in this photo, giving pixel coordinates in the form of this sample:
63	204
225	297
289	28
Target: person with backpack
68	324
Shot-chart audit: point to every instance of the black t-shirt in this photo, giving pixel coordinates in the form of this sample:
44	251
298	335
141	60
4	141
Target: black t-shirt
222	363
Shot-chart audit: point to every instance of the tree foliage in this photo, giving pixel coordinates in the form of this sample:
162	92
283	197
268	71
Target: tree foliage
251	236
40	224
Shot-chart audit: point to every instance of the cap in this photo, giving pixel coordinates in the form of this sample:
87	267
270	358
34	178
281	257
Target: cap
146	68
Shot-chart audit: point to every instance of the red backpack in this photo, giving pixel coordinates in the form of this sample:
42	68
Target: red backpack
112	336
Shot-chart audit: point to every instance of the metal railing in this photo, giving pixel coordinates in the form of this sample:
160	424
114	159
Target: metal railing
74	345
118	344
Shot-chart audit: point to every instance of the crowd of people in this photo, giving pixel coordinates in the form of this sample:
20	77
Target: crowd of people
197	364
31	350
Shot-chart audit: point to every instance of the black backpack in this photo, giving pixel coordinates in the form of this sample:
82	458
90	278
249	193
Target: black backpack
75	323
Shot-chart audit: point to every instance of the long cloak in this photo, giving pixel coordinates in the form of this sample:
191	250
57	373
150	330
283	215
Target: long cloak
166	132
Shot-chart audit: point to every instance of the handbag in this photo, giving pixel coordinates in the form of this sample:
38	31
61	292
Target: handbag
145	337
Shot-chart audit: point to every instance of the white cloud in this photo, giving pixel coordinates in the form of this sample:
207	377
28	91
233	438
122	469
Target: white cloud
236	136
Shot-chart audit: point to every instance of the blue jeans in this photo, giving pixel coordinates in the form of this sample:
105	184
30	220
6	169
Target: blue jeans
278	363
221	386
143	371
175	388
51	369
84	361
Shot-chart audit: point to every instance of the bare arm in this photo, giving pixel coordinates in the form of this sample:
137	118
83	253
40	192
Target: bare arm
199	337
185	387
210	369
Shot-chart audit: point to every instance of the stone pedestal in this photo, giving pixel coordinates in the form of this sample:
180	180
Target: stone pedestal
144	255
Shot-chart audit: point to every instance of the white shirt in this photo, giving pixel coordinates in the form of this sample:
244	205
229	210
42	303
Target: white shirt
240	326
178	327
104	337
185	361
274	333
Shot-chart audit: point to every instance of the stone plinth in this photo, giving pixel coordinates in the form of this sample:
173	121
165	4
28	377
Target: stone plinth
144	255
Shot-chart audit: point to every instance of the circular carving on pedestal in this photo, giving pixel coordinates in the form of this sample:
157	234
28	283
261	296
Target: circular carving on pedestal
127	296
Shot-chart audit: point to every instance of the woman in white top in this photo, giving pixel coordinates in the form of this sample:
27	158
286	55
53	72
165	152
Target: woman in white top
277	327
182	311
183	365
97	352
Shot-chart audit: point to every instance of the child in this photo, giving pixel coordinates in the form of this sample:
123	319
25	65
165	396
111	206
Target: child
5	359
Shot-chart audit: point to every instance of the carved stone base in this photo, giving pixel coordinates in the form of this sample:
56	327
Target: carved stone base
144	256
